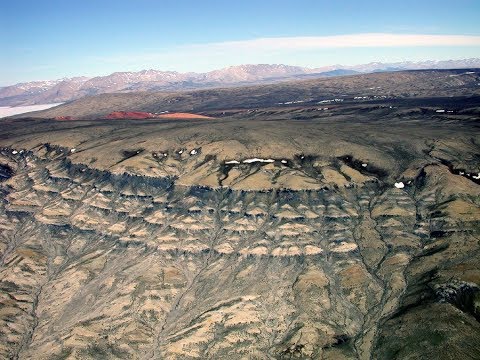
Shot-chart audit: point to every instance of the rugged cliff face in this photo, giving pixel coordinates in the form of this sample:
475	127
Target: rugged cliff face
352	235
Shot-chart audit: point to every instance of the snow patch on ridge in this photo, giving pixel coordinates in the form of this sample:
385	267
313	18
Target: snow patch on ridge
254	160
399	185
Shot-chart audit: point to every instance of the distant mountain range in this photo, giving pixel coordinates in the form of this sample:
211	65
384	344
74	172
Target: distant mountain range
67	89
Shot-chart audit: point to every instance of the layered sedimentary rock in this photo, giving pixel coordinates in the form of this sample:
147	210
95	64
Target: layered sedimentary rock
102	265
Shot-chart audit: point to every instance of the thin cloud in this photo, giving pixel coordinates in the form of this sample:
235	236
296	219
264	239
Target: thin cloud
253	49
346	41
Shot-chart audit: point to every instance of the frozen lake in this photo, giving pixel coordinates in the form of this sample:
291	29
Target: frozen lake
14	110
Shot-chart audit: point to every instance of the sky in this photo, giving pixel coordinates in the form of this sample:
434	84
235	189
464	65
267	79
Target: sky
42	39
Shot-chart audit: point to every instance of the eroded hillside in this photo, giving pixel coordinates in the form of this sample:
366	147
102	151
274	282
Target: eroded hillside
342	235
